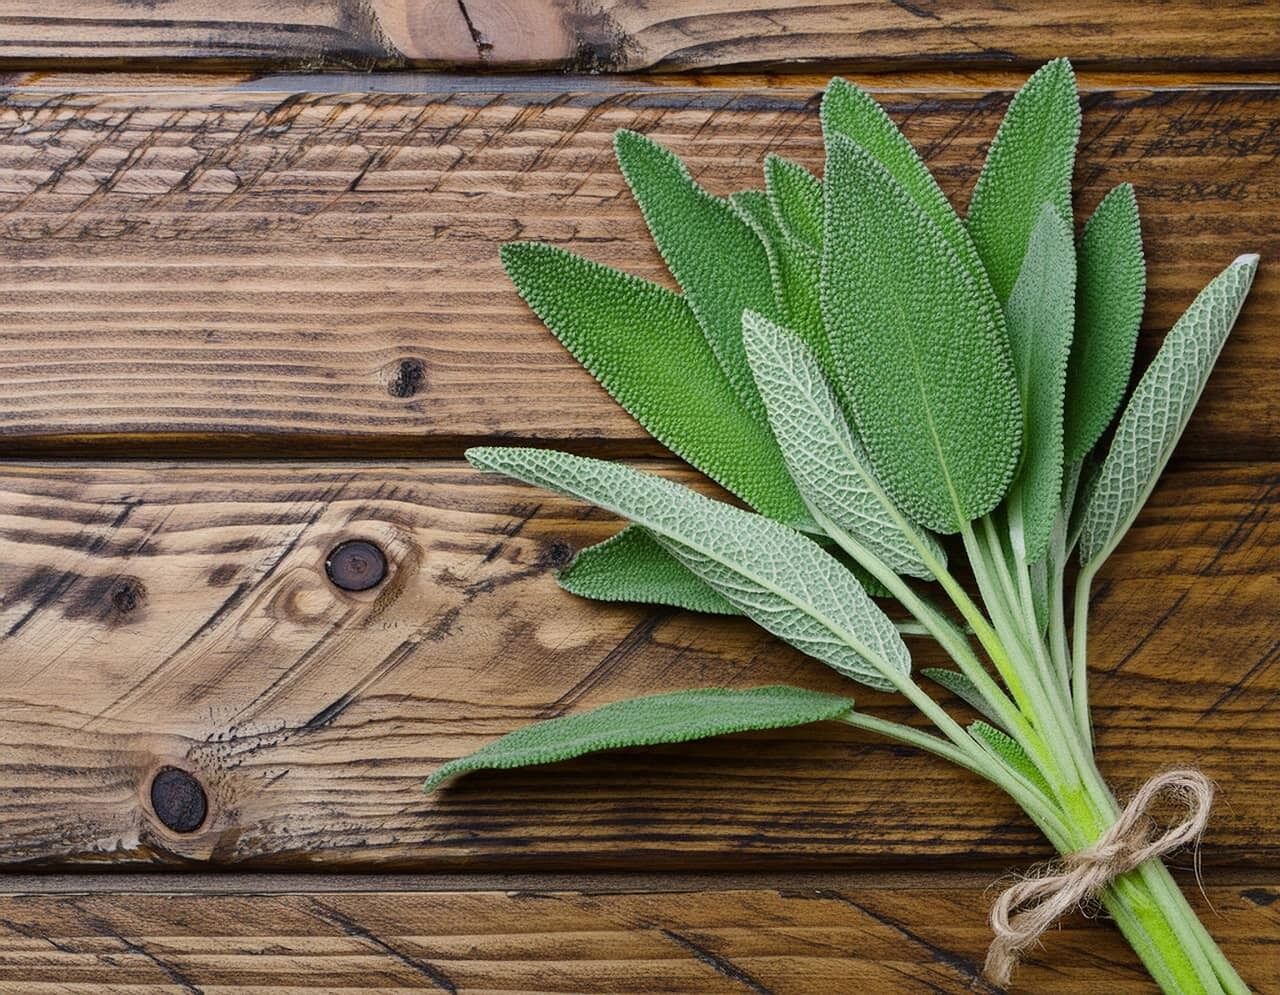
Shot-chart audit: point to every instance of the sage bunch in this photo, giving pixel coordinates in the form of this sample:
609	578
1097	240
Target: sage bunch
886	386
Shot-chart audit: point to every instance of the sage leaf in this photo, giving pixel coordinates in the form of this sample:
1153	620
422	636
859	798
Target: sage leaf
827	462
1029	164
924	360
714	255
795	197
962	688
1007	748
1159	410
779	578
643	344
677	717
797	270
1039	317
1110	291
852	113
633	566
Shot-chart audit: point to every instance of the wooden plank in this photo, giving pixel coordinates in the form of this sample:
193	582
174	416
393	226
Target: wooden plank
832	934
614	35
158	615
265	273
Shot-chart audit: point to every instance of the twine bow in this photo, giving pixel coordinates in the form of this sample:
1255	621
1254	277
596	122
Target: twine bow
1026	909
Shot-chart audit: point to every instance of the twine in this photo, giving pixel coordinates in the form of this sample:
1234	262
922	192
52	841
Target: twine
1026	909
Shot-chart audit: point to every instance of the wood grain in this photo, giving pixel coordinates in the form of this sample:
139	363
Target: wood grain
196	272
178	615
613	35
832	934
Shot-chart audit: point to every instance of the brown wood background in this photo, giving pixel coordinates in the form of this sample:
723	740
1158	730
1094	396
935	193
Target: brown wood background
248	313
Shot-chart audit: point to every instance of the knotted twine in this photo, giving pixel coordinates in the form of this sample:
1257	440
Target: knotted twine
1026	909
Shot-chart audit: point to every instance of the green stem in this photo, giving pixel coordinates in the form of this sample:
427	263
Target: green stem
958	649
1080	658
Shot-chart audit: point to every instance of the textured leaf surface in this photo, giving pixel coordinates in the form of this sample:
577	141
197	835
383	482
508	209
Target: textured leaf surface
1039	317
782	580
1014	755
714	255
924	359
854	114
1159	409
633	566
661	718
826	461
797	270
1029	164
1110	291
962	688
795	197
643	344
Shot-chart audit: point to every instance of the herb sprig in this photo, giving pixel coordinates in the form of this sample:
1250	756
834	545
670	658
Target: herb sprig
869	372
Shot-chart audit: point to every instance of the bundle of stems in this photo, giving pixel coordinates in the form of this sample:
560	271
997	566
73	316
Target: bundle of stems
870	373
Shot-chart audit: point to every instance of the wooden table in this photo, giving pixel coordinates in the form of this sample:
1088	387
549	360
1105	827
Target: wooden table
248	315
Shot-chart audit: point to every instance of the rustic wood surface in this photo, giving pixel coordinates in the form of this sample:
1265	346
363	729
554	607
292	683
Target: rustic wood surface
612	35
828	934
188	607
205	256
220	273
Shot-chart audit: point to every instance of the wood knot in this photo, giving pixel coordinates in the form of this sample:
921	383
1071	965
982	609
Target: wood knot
555	555
356	565
407	378
178	800
127	595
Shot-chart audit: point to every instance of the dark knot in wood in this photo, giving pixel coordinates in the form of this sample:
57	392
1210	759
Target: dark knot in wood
178	800
407	378
356	565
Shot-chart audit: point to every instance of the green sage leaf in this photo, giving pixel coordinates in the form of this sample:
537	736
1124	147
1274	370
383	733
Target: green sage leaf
1030	164
633	566
1007	748
713	254
779	578
795	197
852	113
645	347
1110	292
962	688
797	271
1039	317
924	360
677	717
826	461
1159	410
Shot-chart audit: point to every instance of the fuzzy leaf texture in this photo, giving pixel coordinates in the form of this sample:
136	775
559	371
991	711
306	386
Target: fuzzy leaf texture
780	579
962	688
795	197
1159	410
826	461
714	255
924	359
661	718
1110	292
633	566
1039	317
1007	748
1030	163
797	270
643	344
852	113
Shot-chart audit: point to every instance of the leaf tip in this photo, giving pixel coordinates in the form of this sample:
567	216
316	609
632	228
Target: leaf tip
483	457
